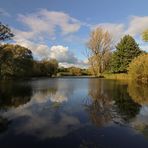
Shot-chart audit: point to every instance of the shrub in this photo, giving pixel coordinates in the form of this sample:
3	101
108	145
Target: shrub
138	69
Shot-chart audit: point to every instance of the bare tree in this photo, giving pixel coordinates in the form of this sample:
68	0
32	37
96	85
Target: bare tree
99	50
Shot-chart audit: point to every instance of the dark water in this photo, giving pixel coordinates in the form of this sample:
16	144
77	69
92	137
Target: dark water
73	113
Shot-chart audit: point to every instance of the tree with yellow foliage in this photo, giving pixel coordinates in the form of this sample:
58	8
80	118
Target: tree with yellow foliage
145	35
99	50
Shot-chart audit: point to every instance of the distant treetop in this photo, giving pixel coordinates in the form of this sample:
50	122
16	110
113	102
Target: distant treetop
5	32
145	35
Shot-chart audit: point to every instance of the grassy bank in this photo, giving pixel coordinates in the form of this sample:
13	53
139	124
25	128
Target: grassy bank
117	76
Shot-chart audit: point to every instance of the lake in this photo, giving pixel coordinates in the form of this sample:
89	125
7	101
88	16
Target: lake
73	113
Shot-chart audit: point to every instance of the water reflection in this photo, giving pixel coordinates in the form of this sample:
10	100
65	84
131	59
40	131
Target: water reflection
126	106
43	116
110	101
14	95
138	92
100	105
48	109
3	124
54	91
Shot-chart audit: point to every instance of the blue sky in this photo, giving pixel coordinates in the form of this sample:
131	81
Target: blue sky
60	28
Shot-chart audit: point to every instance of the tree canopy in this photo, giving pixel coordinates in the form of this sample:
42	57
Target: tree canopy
45	67
5	32
145	35
138	68
16	61
99	49
126	50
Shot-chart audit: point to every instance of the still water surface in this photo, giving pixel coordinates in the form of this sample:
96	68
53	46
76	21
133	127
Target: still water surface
73	113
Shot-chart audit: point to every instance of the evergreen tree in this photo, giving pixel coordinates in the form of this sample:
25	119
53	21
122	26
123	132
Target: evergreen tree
126	50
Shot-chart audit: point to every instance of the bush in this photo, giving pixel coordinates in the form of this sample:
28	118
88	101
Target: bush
138	69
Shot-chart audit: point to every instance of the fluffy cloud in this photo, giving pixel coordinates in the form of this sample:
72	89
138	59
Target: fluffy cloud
116	30
137	25
64	56
40	51
44	24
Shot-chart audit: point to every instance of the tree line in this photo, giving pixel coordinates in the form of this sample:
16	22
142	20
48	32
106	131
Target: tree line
18	62
103	56
123	59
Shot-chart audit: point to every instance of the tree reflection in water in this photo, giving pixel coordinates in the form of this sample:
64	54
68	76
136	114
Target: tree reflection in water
110	102
3	124
14	95
126	107
138	92
100	105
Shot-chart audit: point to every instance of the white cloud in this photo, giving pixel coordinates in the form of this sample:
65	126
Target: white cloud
67	23
116	30
137	25
64	56
44	24
40	51
19	35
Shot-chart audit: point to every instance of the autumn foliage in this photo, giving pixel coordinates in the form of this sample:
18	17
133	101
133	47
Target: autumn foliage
138	68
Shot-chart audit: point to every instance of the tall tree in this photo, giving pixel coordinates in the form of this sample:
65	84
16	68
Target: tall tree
5	32
45	67
99	49
126	50
53	67
16	61
145	35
